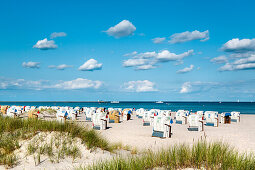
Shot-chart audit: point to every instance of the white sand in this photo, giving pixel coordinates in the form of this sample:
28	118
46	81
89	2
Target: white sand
239	135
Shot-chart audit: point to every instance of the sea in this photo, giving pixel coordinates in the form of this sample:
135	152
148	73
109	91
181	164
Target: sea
242	107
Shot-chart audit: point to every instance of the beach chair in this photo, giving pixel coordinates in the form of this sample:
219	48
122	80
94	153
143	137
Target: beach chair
27	108
126	113
211	118
89	113
195	123
114	116
225	117
12	112
62	115
147	118
200	114
161	127
99	121
235	116
73	114
140	113
181	117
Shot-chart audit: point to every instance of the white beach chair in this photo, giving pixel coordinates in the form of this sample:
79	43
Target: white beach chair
140	112
147	118
211	118
235	116
200	114
161	127
181	116
62	114
99	121
195	123
11	112
89	113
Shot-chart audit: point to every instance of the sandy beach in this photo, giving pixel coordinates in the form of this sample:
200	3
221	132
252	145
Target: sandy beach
132	133
239	135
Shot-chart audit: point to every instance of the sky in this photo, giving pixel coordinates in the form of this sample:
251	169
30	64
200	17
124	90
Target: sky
142	50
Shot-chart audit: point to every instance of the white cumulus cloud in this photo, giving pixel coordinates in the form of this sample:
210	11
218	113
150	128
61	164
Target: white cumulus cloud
45	44
186	69
158	40
189	36
166	55
134	62
220	59
250	59
140	86
232	67
57	34
78	83
237	45
91	65
31	64
122	29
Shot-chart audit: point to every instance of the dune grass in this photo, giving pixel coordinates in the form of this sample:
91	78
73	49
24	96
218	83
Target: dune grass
57	147
13	130
200	155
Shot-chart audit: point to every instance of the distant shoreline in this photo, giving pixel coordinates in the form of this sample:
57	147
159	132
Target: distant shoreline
126	102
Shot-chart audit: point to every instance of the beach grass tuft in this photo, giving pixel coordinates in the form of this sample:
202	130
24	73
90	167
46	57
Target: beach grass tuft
202	155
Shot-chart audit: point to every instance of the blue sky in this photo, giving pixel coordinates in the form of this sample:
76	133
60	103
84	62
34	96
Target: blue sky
136	50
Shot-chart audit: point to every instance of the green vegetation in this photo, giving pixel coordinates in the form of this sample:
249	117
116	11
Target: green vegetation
200	155
13	130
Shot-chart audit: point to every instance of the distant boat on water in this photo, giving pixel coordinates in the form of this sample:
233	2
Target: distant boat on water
159	102
115	102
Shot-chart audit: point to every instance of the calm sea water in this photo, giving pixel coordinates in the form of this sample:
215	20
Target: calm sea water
243	107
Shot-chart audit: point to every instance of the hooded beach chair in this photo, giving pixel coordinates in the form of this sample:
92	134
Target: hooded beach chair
126	114
181	116
162	126
140	112
235	116
62	114
89	113
195	123
147	118
114	116
99	121
12	112
200	114
211	118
